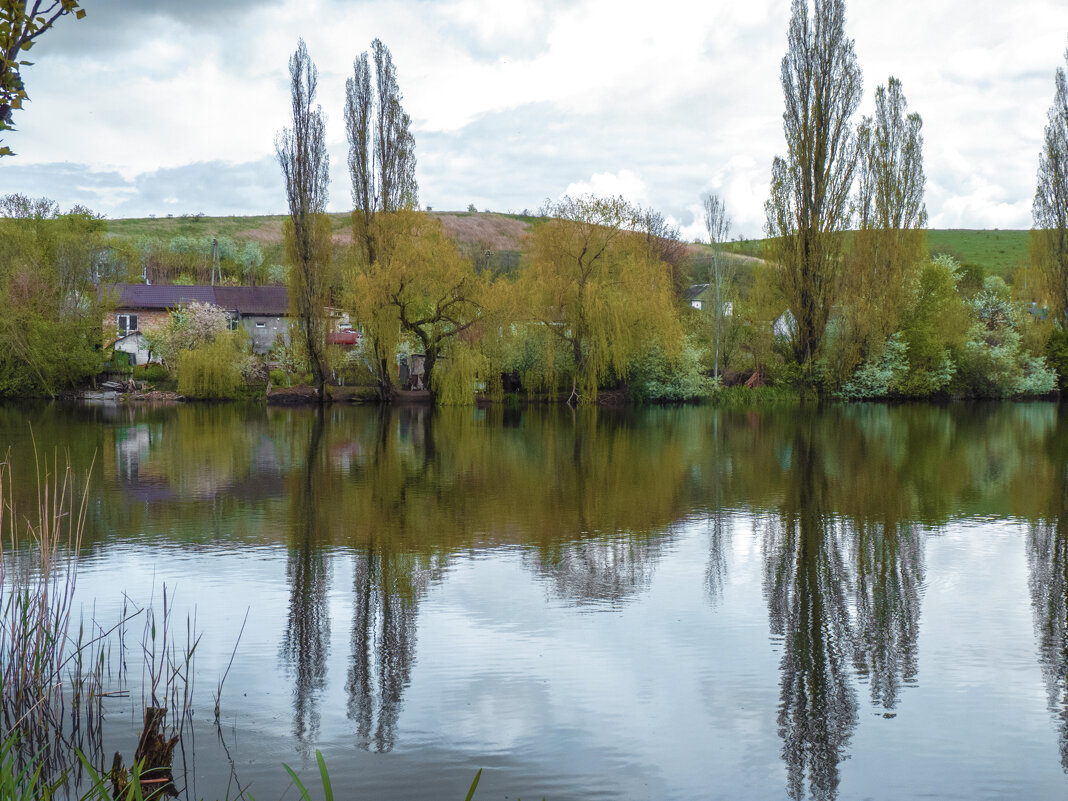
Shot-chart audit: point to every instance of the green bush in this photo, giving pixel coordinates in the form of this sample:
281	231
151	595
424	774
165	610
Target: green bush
1056	353
151	373
657	379
211	371
279	378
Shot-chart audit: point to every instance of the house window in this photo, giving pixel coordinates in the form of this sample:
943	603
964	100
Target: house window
261	325
127	323
232	323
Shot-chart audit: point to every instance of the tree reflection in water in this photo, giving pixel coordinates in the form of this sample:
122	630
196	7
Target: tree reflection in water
307	634
1047	556
844	568
889	576
807	586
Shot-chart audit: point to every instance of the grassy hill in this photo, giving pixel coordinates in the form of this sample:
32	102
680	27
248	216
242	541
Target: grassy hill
496	239
996	252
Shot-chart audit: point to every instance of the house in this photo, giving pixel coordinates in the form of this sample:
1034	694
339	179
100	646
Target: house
785	326
702	296
260	310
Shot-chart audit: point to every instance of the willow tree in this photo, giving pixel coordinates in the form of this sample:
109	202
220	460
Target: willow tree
597	289
306	169
890	241
381	145
809	204
419	288
1049	236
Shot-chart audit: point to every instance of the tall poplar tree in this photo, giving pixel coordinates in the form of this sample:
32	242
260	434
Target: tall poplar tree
381	145
721	274
306	168
1049	236
890	240
809	203
382	167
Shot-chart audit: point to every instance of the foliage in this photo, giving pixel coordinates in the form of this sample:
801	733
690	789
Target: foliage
305	167
1049	237
721	273
993	365
211	370
888	246
49	311
879	377
597	288
654	378
1056	353
455	381
190	326
189	258
933	329
381	145
419	288
151	373
20	28
809	204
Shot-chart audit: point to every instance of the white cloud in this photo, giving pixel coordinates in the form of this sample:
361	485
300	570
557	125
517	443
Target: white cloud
625	184
516	102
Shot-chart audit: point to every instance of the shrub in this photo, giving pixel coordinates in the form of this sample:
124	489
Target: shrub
657	379
151	372
211	371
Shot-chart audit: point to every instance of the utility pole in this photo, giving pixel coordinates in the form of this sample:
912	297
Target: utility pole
215	259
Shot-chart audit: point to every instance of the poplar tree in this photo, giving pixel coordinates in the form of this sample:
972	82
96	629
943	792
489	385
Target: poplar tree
721	274
381	145
890	240
1049	236
382	168
809	203
305	166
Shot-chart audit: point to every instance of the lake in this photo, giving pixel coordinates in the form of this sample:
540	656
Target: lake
856	602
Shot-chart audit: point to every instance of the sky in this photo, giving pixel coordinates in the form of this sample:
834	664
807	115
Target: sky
172	106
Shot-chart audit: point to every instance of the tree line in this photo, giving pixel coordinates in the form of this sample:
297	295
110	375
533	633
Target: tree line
846	301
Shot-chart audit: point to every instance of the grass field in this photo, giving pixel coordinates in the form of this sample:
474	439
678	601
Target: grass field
997	252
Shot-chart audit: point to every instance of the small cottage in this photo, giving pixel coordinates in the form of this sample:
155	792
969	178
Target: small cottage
260	310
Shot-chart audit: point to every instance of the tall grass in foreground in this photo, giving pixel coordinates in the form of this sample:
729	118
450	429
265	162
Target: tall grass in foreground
51	677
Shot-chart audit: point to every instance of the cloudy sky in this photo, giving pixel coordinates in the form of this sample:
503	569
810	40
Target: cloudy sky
171	106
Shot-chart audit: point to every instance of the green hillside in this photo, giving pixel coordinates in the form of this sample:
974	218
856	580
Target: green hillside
995	252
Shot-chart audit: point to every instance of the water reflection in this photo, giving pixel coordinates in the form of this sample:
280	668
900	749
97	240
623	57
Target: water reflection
807	583
1047	556
594	502
305	644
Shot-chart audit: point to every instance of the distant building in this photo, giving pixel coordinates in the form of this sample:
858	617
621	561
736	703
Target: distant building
703	296
260	310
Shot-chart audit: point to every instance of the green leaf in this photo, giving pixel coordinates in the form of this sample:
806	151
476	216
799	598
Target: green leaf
296	780
328	791
80	13
27	45
474	784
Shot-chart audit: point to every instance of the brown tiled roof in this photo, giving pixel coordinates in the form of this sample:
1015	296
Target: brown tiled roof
265	300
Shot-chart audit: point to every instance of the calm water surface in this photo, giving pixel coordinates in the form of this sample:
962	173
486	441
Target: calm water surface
862	602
